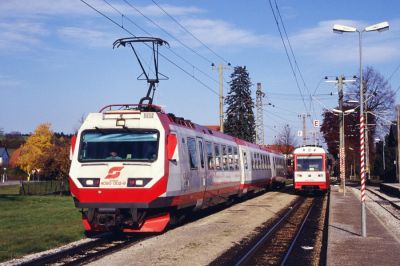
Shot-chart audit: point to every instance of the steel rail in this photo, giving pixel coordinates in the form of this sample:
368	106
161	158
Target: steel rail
85	252
386	200
272	230
299	231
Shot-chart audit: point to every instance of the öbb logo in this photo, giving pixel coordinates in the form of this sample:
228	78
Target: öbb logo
114	172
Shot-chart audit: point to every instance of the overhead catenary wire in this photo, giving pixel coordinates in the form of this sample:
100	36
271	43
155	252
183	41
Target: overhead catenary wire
145	31
288	56
291	49
161	54
166	32
189	32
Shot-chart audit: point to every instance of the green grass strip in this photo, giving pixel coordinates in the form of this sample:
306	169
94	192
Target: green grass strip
31	224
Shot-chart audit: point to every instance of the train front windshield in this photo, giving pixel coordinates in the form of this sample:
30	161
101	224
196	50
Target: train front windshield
309	163
119	145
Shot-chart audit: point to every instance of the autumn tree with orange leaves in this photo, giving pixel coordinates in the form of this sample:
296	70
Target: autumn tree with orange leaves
45	155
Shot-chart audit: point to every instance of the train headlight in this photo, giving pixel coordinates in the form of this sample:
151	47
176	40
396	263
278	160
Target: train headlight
138	182
89	182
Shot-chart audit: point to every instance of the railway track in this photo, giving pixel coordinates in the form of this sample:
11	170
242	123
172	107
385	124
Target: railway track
386	204
290	239
86	252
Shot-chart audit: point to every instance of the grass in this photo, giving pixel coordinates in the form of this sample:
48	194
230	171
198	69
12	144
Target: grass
36	223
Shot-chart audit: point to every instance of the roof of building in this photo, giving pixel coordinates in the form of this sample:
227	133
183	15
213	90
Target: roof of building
3	151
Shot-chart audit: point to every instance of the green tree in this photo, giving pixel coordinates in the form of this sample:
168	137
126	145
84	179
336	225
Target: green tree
240	120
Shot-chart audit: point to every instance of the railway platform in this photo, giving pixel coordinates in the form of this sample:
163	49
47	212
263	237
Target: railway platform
346	246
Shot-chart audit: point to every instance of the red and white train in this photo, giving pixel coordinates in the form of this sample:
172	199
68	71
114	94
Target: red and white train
310	169
134	167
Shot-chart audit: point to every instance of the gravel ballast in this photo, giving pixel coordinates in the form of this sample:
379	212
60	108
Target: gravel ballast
200	242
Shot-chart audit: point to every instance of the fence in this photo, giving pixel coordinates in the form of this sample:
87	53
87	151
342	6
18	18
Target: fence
44	187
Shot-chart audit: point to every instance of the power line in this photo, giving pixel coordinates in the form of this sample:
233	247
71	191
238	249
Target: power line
185	29
290	46
295	60
162	55
169	34
397	68
287	55
145	31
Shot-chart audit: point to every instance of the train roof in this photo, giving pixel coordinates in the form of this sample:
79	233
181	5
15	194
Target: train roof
309	150
180	121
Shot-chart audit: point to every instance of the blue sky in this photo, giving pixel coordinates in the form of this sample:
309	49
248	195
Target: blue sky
57	63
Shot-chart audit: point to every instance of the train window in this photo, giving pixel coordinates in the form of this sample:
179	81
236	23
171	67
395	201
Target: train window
230	158
201	153
119	145
309	163
236	158
253	161
192	153
269	162
224	157
210	157
217	149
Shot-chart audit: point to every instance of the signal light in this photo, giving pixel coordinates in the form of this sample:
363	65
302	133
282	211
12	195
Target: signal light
89	182
138	182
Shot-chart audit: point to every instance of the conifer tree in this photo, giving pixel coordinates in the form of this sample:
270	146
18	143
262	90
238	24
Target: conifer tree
240	121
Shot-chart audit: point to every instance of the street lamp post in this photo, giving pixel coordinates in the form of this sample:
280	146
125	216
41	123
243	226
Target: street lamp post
341	29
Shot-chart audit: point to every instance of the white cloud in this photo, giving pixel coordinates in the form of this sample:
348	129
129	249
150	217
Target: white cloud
153	10
88	37
25	23
15	8
221	33
321	42
20	35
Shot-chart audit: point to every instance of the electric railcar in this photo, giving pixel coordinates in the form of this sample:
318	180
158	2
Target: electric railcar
310	169
134	167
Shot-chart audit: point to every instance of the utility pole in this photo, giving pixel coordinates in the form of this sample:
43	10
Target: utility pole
342	147
221	94
340	80
398	143
260	121
304	116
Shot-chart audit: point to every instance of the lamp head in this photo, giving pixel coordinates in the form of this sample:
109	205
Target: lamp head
378	27
341	28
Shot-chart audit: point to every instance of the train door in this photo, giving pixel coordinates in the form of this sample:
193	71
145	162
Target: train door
245	172
194	164
202	166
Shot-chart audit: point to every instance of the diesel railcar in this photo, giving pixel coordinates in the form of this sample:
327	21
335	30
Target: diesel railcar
310	169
